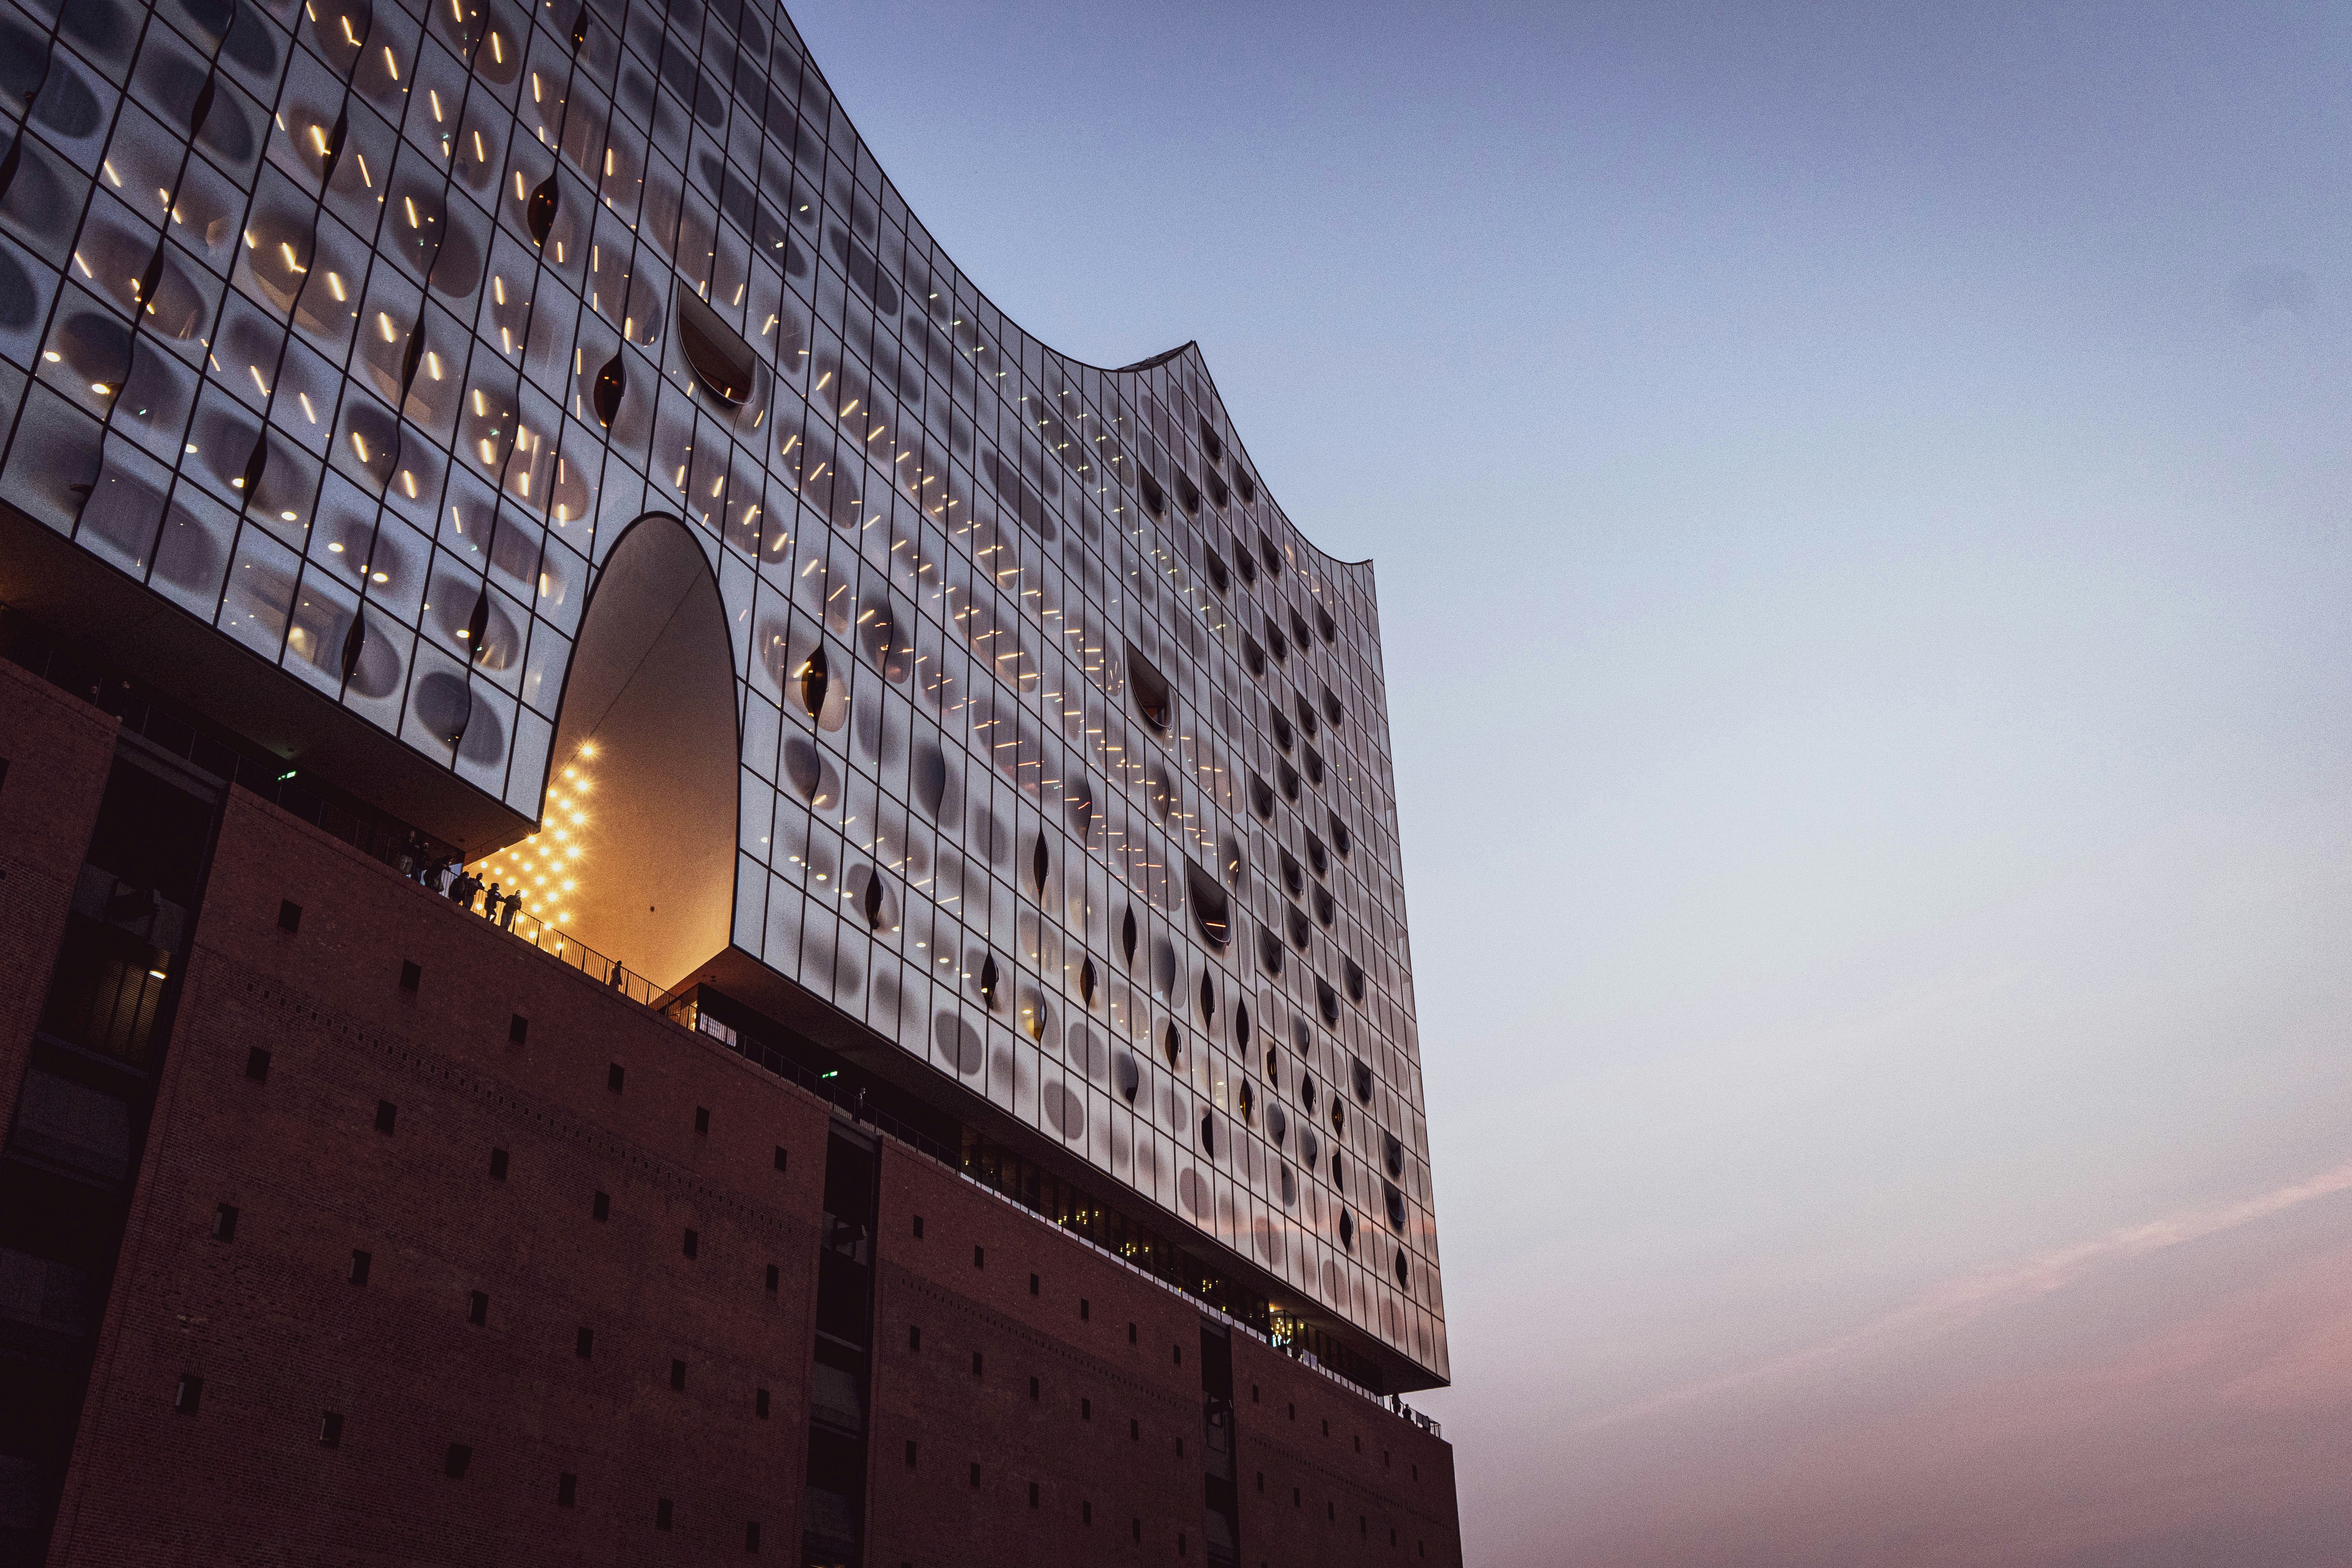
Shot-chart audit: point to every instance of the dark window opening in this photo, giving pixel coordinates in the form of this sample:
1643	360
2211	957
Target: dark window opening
567	1485
224	1223
613	1076
411	974
461	1456
498	1164
776	1278
760	1403
331	1429
911	1453
602	1208
257	1065
702	1118
477	1310
289	916
386	1114
662	1513
1033	1284
583	1344
693	1243
518	1029
779	1156
189	1394
360	1263
677	1374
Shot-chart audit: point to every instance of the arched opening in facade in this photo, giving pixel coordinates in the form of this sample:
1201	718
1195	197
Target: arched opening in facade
634	856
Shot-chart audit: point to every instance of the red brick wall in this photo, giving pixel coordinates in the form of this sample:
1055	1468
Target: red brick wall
1374	1472
271	1323
1357	1471
58	750
279	1335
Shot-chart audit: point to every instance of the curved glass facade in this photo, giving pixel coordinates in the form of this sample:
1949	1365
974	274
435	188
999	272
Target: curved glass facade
362	332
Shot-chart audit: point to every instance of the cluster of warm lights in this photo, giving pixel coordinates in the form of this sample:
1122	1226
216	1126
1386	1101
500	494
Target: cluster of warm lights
546	866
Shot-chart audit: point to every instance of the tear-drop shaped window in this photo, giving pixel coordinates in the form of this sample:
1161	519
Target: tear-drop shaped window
1171	1045
1041	863
1272	556
1362	1072
1299	930
1288	777
1329	629
1354	977
1338	1167
1234	860
1293	878
816	678
1209	442
1087	981
1261	798
1348	1230
1341	839
1209	1134
1218	493
1305	709
1392	1153
1163	966
928	778
1247	1099
873	897
1128	937
1314	761
723	361
1211	909
1277	642
1248	567
1310	1148
1317	858
1283	735
1253	656
1214	564
1394	1200
1153	500
1325	909
1332	711
1403	1273
538	215
880	640
1273	1067
1078	802
1269	951
1306	1091
1327	1001
1289	1188
1208	998
1277	1122
1241	1025
992	980
612	386
1298	626
1154	698
1128	1074
1187	494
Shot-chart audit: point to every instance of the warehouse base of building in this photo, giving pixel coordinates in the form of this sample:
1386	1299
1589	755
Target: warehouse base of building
419	1244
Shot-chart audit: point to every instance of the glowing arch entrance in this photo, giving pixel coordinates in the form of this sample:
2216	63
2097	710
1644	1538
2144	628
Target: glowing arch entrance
638	822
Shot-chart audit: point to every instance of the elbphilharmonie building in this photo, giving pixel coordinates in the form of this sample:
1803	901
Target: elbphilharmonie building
537	452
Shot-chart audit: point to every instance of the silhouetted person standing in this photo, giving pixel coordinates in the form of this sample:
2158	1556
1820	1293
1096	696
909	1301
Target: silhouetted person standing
514	907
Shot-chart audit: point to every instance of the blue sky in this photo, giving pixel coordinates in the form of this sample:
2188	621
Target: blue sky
1861	498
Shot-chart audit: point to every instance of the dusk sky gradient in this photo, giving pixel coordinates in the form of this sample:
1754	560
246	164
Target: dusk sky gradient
1862	501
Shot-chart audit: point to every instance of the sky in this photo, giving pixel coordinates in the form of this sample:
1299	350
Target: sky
1862	505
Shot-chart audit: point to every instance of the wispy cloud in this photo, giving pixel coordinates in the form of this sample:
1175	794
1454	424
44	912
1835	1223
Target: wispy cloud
1962	1300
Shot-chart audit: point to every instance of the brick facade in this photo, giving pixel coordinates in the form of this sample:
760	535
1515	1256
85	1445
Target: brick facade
271	1321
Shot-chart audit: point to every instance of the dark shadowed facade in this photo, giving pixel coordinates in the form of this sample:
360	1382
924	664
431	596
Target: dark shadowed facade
937	1080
